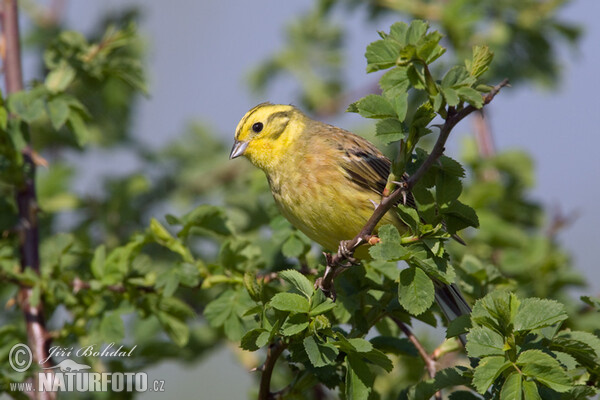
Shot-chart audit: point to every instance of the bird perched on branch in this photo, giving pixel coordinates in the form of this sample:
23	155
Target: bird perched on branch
325	180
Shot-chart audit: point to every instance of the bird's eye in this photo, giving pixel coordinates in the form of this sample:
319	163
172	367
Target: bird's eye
257	127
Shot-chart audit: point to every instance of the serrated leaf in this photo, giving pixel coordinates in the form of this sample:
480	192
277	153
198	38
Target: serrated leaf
206	218
512	388
459	216
178	330
415	291
294	323
480	62
409	216
253	287
389	248
322	308
530	391
59	78
320	354
298	281
487	371
112	328
584	346
544	369
27	105
471	96
447	188
291	302
536	313
97	264
58	112
293	246
360	345
381	54
395	83
482	341
375	106
459	326
251	338
496	310
359	378
77	125
390	130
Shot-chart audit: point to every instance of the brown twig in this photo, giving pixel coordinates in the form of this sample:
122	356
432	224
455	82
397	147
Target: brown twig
430	364
348	247
273	353
37	335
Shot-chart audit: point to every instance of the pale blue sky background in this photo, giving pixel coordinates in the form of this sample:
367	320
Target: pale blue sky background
201	51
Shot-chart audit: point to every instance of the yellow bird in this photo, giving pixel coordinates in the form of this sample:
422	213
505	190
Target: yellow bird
325	180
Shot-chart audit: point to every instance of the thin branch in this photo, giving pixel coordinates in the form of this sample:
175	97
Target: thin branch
429	361
273	353
348	247
37	335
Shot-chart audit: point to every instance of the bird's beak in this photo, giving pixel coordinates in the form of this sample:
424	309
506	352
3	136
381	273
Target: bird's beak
238	149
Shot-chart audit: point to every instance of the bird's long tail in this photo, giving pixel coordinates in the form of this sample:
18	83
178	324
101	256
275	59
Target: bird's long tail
452	303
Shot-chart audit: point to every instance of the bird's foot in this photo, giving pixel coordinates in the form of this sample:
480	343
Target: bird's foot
344	253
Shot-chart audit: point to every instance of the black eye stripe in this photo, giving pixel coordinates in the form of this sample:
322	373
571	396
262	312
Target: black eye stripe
257	127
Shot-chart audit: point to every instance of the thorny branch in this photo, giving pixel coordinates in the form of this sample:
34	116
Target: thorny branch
37	335
273	353
429	361
336	261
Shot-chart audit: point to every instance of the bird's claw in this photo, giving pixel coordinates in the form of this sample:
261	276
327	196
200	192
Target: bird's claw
347	254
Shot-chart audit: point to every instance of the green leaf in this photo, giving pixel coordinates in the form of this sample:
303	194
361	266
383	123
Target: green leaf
487	371
293	246
320	354
164	238
584	346
359	378
290	302
395	83
60	78
544	369
58	112
530	391
459	326
480	62
409	216
254	339
77	125
447	188
511	390
206	219
459	216
415	291
375	106
322	308
496	310
298	281
537	313
389	248
178	330
97	264
112	328
253	286
294	323
390	130
217	311
482	341
27	105
471	96
381	54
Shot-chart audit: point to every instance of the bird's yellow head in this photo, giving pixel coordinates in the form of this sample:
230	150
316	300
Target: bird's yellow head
265	133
